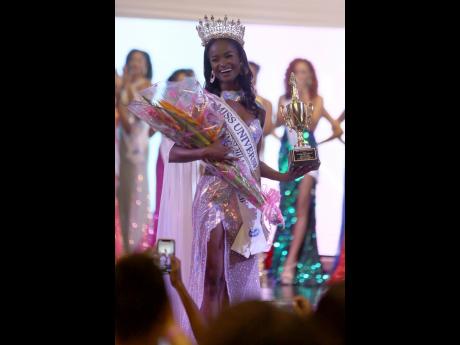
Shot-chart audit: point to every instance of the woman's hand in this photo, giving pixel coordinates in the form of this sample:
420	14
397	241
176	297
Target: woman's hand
302	306
126	78
175	275
217	151
145	83
336	129
296	172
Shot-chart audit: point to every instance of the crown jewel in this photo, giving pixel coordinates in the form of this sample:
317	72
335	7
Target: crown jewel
212	29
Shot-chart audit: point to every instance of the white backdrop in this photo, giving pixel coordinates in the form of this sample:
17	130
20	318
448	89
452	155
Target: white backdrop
175	44
327	13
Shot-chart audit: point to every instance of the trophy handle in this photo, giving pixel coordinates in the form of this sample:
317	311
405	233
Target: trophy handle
310	109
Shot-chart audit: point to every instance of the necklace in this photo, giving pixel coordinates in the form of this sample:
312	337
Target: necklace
232	95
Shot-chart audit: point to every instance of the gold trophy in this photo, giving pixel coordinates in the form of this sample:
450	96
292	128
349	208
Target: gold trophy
297	116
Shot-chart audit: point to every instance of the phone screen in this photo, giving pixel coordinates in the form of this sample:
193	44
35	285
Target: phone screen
165	250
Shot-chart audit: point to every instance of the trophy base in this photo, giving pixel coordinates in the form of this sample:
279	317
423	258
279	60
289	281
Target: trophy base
300	156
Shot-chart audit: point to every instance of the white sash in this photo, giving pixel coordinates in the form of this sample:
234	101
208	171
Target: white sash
252	236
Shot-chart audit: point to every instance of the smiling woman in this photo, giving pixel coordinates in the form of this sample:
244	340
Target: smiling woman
226	60
273	47
223	273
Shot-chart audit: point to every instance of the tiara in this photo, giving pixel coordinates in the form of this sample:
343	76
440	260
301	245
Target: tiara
212	29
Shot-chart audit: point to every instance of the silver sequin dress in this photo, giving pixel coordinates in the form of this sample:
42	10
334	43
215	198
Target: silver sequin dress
216	202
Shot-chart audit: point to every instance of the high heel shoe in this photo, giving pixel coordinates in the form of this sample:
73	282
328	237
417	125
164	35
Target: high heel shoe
287	276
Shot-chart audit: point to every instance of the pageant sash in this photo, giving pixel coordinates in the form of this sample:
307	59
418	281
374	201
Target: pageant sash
252	236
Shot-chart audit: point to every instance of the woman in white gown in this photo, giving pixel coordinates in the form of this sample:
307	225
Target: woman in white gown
162	160
175	217
175	209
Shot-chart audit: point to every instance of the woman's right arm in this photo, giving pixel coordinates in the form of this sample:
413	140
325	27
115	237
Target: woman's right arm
124	117
126	87
214	152
341	117
179	154
197	321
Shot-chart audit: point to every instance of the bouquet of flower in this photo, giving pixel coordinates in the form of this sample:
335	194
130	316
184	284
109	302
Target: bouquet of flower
183	111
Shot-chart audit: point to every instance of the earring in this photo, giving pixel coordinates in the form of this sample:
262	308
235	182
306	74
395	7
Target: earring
213	77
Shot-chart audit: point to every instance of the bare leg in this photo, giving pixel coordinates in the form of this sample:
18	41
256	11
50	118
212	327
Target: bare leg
215	295
300	228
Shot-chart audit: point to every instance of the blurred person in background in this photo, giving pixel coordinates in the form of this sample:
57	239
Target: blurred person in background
329	317
295	253
142	311
260	323
133	191
330	314
268	129
266	104
162	160
175	192
118	236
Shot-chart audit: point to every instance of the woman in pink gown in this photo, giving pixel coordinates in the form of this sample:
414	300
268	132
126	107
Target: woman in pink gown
220	275
118	238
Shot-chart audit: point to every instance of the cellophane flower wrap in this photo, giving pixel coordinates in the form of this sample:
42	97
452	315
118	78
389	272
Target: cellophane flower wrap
183	111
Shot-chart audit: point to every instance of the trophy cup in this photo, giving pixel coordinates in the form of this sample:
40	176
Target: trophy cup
297	116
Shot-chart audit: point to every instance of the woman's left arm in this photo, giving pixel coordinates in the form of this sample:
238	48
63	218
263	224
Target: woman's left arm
271	174
292	174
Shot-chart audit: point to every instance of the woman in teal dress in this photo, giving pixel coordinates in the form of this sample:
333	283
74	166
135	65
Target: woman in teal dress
295	253
309	268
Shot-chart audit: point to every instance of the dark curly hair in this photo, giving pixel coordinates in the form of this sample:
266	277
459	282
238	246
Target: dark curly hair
140	296
176	73
244	79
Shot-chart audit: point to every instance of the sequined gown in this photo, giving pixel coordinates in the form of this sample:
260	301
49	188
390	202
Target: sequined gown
159	184
133	192
118	237
309	269
216	202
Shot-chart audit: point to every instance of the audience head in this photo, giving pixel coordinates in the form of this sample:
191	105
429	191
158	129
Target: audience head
330	313
139	65
259	323
141	305
181	74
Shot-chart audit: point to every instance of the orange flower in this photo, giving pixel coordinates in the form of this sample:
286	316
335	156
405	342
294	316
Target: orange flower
179	112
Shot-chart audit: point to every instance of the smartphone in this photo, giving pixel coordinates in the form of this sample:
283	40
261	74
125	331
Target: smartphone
165	249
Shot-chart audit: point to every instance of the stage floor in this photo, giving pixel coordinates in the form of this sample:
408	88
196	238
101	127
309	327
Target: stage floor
282	295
